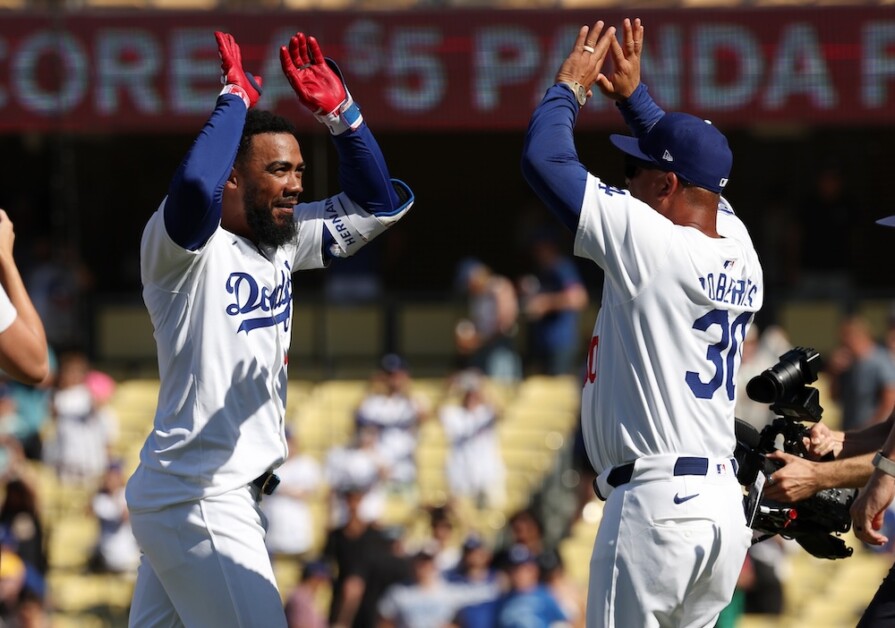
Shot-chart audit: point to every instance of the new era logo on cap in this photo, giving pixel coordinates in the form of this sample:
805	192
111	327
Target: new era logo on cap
690	147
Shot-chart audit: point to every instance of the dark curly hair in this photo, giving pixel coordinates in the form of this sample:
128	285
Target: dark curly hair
259	121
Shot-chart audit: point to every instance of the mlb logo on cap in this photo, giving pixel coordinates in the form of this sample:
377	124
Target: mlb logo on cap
688	146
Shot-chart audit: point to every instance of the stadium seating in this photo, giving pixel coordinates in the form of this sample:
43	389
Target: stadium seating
538	418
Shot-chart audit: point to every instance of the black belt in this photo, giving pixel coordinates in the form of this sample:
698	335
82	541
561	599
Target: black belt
268	482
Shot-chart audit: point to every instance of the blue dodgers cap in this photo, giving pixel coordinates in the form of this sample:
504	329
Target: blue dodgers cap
393	363
686	145
519	554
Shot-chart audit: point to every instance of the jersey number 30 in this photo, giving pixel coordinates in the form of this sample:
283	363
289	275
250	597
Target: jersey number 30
722	354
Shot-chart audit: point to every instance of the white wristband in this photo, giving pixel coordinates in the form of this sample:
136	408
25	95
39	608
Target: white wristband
344	117
236	90
884	464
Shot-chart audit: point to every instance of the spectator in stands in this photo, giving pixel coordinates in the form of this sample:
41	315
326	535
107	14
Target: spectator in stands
757	357
442	538
474	468
290	526
116	549
23	340
85	426
526	529
356	471
12	580
525	603
58	282
571	597
429	600
8	411
475	563
396	413
302	610
485	340
21	523
364	587
552	302
33	409
350	548
862	376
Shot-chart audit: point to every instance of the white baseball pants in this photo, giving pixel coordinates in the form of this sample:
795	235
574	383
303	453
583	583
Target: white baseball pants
204	565
669	548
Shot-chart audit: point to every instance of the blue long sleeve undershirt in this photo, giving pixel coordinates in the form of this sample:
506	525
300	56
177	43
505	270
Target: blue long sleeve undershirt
549	159
193	208
640	111
363	175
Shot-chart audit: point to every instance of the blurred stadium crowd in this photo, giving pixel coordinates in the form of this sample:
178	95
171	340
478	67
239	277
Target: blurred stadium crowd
409	474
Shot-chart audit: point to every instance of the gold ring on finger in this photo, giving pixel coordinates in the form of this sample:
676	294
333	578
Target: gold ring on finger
589	49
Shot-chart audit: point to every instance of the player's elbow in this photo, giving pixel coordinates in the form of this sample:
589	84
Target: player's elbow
532	166
34	374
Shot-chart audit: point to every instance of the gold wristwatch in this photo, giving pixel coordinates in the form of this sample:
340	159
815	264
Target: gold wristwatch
579	91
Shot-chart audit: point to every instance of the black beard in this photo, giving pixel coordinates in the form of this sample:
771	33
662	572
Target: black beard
265	228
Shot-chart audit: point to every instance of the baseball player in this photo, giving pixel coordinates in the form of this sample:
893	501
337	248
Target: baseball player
683	283
24	355
217	260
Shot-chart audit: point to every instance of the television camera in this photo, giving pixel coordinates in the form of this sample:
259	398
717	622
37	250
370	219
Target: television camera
817	522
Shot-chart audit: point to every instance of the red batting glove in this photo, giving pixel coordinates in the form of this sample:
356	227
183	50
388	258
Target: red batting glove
235	79
317	85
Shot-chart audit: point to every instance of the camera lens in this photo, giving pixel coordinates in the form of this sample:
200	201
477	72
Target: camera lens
771	384
795	369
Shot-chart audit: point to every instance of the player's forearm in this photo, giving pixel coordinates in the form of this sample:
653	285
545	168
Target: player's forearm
867	440
193	207
885	405
363	173
12	282
25	343
846	472
640	111
549	159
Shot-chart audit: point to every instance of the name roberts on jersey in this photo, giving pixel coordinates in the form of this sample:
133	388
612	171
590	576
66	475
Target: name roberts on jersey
722	288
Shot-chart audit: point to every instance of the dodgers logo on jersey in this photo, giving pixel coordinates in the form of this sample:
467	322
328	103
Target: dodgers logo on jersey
272	306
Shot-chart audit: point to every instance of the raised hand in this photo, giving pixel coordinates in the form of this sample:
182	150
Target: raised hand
317	86
625	76
235	79
586	58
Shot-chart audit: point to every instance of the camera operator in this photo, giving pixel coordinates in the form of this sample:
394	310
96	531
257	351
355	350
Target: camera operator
853	453
867	517
856	464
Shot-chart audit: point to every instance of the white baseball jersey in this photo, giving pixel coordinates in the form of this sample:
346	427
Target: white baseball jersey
666	345
8	311
397	416
222	317
473	464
